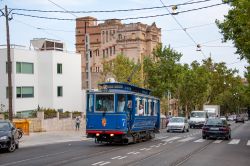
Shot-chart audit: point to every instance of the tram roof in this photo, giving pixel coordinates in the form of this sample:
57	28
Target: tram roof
123	87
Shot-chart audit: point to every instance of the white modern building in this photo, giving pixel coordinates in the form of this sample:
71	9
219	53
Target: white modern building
46	76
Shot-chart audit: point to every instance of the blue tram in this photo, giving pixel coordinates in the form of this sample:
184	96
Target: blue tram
121	113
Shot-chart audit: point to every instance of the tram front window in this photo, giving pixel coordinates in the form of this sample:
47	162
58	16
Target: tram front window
104	102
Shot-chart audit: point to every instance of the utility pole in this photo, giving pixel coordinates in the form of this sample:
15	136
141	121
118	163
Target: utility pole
9	65
87	53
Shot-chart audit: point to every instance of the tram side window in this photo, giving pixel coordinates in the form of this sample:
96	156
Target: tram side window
121	103
152	108
155	108
90	103
140	110
149	107
104	102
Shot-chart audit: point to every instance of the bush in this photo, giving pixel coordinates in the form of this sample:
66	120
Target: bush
49	113
76	114
64	114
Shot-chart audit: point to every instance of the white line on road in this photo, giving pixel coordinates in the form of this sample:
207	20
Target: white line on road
152	146
148	149
98	163
200	140
186	139
161	137
248	143
143	149
122	157
104	163
171	139
115	157
217	141
234	141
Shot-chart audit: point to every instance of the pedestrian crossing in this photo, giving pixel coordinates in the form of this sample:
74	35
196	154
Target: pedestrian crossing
234	141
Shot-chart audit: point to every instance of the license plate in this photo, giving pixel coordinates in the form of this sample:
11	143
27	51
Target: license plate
214	128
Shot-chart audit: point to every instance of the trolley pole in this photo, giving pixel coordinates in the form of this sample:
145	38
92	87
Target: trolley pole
9	65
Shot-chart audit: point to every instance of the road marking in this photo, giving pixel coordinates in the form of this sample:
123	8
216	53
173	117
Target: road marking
146	149
234	141
165	143
186	139
152	146
143	149
248	143
161	137
115	157
104	163
98	163
171	139
133	152
122	157
217	141
200	140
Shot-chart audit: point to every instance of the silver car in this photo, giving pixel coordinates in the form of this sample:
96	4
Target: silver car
178	124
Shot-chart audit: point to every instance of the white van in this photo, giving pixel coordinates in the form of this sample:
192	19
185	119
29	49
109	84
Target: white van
197	119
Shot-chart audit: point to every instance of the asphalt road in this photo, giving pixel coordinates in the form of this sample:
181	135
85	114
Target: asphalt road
187	149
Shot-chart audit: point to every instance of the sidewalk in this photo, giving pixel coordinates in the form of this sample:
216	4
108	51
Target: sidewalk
45	138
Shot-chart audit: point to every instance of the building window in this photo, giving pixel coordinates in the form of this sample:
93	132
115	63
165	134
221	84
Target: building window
59	68
24	92
103	53
110	49
107	36
24	68
114	50
120	37
59	91
103	37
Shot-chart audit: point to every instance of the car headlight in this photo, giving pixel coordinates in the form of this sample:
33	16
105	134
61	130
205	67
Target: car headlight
3	137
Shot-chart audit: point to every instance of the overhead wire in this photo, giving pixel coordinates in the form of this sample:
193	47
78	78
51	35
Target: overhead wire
191	27
128	18
108	11
183	29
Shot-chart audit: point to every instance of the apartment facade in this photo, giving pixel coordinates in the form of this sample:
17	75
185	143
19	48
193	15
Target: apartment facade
47	76
108	39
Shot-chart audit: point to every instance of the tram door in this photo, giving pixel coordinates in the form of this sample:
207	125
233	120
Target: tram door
125	105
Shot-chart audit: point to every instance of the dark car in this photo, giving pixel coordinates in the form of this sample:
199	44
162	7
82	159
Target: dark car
216	128
8	136
240	118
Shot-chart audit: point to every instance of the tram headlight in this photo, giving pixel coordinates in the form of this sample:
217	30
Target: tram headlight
97	134
112	135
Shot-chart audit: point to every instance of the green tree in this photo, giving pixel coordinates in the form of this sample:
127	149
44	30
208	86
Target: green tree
236	25
120	68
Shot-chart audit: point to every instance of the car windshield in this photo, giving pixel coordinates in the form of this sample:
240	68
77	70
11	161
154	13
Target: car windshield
217	122
198	114
4	126
105	102
176	120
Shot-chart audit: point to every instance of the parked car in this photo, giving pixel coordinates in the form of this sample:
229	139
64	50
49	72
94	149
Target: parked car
231	118
239	118
8	136
216	128
178	124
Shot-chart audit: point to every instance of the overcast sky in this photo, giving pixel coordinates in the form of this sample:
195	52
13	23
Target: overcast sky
199	25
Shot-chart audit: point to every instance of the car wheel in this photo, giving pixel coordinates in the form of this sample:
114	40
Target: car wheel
187	129
183	129
203	137
12	146
168	131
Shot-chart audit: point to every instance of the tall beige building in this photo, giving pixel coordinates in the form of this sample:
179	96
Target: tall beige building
108	39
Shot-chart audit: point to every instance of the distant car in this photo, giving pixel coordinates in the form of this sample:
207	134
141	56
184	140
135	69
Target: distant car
231	118
8	136
178	124
223	118
246	118
239	118
216	128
